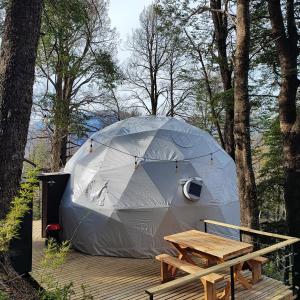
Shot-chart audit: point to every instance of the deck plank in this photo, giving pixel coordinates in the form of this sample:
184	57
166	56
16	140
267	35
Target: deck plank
111	278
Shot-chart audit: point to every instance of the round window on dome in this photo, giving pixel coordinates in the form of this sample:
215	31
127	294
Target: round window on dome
192	189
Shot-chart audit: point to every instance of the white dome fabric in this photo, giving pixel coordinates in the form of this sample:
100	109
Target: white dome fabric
125	192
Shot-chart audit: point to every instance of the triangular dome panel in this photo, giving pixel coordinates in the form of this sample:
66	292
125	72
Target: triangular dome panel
127	193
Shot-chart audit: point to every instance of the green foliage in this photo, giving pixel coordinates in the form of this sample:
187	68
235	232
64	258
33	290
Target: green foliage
76	69
76	49
58	293
271	173
225	98
54	257
85	295
272	270
3	296
65	293
54	254
19	207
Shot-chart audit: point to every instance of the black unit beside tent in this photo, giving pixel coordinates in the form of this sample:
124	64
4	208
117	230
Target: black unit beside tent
53	187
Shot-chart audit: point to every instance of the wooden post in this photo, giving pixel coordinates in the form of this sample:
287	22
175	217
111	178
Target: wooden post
165	272
256	271
210	292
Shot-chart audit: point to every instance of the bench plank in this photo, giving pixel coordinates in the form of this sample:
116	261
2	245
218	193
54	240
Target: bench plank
187	267
209	281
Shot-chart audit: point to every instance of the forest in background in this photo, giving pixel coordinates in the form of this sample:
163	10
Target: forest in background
229	67
181	64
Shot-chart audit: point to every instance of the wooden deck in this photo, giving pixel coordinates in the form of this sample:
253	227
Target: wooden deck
127	279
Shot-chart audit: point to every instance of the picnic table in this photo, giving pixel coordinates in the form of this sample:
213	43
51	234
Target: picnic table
213	249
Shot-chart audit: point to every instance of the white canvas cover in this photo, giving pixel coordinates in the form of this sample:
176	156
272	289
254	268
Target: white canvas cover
125	190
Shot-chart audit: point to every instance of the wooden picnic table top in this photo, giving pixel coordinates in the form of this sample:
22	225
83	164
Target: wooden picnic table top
210	244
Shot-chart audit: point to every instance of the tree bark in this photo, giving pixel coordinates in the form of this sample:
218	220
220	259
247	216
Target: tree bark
246	180
221	34
64	87
171	75
17	63
63	150
286	46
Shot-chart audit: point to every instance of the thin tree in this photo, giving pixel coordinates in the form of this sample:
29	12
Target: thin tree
286	39
149	47
75	61
221	31
208	41
246	179
17	62
208	87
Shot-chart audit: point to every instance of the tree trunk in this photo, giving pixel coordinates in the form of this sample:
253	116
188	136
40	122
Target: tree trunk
221	34
17	63
286	46
59	148
64	87
63	151
171	73
55	150
246	180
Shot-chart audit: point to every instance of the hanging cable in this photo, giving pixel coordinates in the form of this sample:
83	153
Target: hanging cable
155	159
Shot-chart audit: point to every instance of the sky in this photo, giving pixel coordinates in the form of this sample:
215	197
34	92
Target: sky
124	15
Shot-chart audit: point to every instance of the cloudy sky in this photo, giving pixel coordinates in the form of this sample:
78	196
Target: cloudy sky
124	15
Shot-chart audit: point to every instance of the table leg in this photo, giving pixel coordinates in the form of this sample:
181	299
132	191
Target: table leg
226	293
183	255
165	273
239	277
211	261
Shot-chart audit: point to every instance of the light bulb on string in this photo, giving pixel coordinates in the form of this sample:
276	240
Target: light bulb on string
176	166
135	162
91	146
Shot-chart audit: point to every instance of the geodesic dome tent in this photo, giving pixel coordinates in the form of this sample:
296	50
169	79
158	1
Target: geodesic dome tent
143	178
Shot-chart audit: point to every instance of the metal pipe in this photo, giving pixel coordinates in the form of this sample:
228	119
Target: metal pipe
232	282
287	262
151	296
293	269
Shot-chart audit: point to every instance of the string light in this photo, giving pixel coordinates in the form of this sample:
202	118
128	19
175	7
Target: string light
135	162
176	166
151	158
91	146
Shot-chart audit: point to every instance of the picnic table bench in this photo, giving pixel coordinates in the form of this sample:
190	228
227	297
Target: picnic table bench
208	281
213	249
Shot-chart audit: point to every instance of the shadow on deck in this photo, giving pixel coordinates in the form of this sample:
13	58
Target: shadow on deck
127	279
